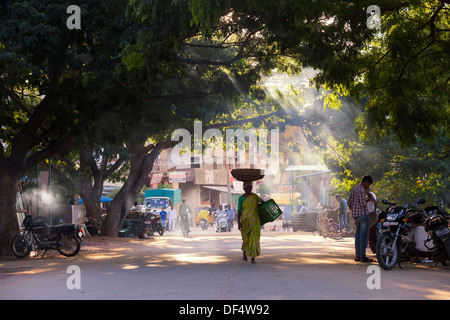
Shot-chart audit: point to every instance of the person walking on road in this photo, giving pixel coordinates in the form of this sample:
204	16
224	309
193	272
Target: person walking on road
231	215
184	216
357	202
171	216
249	223
163	215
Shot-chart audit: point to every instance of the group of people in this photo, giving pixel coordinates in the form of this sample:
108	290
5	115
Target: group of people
361	203
208	215
169	217
229	212
247	217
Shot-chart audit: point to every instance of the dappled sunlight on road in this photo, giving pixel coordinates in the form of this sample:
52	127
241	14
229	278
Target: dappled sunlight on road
129	267
106	248
293	264
305	249
277	248
186	258
318	259
33	265
438	294
26	270
103	256
213	248
429	289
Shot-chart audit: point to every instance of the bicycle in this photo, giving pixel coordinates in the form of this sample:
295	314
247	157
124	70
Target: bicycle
185	226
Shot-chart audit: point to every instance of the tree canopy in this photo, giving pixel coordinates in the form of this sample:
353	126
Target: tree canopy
142	68
399	72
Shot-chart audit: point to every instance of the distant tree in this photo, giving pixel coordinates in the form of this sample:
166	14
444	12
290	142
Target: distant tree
54	83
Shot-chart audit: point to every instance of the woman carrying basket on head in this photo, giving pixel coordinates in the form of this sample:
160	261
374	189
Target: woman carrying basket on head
249	223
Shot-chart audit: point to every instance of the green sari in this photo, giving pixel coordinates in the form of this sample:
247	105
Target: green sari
251	226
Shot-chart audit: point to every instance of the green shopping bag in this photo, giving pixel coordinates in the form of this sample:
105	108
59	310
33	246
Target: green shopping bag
268	211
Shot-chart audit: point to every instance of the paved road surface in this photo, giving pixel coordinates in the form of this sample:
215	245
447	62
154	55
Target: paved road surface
209	266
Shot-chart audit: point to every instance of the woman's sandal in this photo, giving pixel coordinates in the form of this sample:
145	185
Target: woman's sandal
366	260
244	257
253	260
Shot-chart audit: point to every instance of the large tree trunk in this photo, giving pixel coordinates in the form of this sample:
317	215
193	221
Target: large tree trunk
89	178
91	191
141	166
8	219
91	195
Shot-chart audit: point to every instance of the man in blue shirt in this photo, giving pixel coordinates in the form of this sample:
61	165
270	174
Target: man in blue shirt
231	214
163	214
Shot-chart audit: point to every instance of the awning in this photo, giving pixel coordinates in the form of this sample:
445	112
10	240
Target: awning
222	189
307	168
103	199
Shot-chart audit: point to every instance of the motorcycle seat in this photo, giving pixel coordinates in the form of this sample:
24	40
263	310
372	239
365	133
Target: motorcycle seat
65	228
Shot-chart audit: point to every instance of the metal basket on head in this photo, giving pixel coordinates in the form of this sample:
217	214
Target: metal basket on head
247	175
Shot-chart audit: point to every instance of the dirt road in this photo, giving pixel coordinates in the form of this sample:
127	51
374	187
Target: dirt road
209	266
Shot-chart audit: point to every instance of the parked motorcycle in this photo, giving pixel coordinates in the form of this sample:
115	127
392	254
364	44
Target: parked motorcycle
221	222
38	235
153	223
437	226
394	242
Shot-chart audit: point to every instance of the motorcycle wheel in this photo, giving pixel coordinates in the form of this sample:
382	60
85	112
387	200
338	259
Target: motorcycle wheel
445	263
161	231
20	246
69	245
387	251
443	258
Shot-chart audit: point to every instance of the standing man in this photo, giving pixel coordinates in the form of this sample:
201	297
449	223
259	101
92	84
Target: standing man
163	214
172	216
342	213
357	202
231	214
